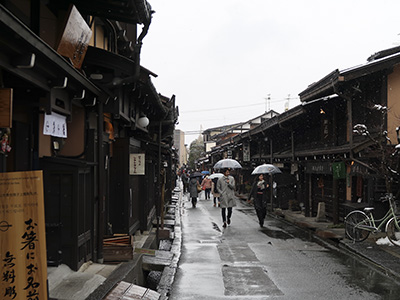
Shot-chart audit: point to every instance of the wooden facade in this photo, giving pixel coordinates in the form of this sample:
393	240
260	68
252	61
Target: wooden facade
322	157
97	100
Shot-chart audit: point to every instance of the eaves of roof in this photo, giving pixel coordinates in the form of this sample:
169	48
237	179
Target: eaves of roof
320	88
221	128
128	11
17	40
326	85
282	118
370	67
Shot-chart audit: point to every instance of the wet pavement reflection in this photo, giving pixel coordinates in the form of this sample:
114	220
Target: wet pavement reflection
278	261
357	272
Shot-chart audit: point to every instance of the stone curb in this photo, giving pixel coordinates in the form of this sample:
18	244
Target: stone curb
168	274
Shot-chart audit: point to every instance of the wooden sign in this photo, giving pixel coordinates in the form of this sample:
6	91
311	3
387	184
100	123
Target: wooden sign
23	264
137	164
6	97
75	38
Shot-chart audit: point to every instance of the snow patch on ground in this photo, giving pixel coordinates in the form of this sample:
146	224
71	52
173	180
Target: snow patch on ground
384	241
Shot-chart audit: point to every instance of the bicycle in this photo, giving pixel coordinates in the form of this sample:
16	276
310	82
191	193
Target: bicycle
359	225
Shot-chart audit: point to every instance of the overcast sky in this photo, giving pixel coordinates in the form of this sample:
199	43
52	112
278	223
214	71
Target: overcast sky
223	58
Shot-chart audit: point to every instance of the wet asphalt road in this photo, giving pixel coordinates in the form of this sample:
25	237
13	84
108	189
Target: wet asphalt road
279	261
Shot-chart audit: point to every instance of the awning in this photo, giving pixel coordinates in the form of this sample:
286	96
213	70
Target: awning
20	47
128	11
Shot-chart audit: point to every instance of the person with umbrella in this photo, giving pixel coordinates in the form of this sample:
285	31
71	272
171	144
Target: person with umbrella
260	193
226	188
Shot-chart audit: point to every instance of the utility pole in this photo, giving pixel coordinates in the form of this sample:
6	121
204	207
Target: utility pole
267	102
287	103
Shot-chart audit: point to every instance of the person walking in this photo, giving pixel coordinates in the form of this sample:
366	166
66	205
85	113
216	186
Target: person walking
185	181
226	188
214	191
206	186
260	192
193	192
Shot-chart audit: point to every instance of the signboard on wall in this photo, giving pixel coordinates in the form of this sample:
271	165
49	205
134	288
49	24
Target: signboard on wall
246	152
75	38
6	97
318	168
55	125
23	264
339	170
137	164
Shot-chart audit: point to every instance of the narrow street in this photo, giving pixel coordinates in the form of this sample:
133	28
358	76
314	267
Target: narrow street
279	261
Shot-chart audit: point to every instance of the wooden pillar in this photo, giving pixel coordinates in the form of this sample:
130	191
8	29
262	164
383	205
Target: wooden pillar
101	182
307	195
335	200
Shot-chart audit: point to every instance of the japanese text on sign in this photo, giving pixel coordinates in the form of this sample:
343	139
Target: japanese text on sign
55	125
137	164
22	236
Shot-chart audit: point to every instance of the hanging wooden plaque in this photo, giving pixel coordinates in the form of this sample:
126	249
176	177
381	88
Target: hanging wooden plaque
75	38
6	97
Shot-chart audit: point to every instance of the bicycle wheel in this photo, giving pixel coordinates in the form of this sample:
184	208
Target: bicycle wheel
353	223
393	231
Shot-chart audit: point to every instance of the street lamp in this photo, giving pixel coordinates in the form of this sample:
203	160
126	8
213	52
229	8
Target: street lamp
143	121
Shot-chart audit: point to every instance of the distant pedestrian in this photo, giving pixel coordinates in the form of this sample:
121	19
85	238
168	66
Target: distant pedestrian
226	188
206	185
185	181
260	193
214	191
193	190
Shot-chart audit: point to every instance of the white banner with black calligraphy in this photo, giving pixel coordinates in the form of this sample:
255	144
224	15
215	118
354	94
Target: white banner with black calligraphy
55	125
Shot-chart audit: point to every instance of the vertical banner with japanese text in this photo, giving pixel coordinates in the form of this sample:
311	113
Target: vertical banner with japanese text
22	236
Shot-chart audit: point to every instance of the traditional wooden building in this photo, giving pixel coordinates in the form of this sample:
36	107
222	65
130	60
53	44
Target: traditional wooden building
317	145
84	110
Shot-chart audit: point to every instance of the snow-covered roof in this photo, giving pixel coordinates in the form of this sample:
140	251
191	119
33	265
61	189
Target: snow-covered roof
326	86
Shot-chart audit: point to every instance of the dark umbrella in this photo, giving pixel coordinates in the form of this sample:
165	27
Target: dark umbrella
266	169
227	163
196	174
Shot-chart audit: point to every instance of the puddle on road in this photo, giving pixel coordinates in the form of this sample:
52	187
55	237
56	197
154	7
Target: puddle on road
209	241
215	226
356	272
360	274
276	234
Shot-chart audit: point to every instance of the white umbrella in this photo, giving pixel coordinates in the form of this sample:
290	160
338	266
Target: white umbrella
227	163
266	169
215	175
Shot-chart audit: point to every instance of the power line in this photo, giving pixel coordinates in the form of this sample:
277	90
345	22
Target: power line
233	107
222	108
193	132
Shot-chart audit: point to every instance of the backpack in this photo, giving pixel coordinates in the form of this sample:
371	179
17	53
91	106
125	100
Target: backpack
215	180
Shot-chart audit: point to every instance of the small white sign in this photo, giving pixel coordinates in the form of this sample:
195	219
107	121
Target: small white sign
137	164
55	125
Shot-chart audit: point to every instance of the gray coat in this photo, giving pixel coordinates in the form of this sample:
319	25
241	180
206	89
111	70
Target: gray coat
227	191
193	187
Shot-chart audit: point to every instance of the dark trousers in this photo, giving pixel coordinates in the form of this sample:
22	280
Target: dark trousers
194	201
261	213
261	209
207	193
223	212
